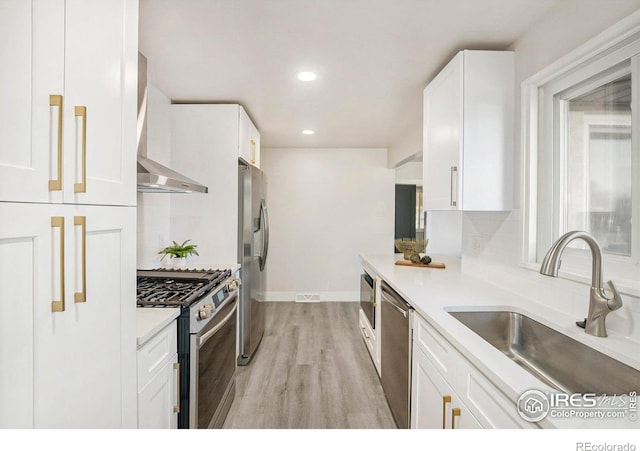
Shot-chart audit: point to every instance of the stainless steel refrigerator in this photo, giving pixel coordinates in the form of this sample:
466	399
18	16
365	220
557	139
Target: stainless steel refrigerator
253	247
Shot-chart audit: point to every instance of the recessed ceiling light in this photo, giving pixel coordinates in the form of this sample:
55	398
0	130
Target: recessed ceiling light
307	76
308	132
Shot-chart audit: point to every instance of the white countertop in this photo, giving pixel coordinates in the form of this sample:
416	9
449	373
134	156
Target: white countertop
150	321
433	292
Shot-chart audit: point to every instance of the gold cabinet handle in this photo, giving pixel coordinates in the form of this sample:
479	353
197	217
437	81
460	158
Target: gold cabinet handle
176	408
56	184
454	180
253	151
82	222
58	222
446	399
455	412
364	332
81	111
376	281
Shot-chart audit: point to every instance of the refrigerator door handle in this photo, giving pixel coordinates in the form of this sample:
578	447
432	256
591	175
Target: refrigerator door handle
265	234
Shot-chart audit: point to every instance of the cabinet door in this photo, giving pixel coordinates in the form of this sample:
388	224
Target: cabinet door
434	404
100	101
85	355
442	139
254	145
29	277
157	399
32	52
428	403
249	139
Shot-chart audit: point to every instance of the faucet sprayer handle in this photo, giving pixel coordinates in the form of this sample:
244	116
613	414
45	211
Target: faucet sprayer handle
616	301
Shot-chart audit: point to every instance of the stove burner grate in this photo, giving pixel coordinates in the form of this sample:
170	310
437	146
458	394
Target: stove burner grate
176	288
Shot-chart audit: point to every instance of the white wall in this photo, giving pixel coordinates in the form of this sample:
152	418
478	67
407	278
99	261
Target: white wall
491	242
409	173
154	209
326	206
410	141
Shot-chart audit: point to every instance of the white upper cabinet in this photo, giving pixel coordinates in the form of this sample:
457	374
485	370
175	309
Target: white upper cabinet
468	133
249	140
68	101
100	112
32	52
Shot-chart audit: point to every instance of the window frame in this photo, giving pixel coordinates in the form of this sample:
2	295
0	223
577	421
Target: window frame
543	169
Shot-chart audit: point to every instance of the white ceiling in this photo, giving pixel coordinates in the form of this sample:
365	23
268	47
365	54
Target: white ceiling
373	59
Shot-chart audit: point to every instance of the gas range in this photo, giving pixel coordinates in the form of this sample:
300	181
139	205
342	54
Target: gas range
208	302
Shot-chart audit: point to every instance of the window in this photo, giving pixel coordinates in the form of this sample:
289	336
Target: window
597	156
582	141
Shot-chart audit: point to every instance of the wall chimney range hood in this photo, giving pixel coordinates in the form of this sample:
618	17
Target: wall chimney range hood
152	176
156	178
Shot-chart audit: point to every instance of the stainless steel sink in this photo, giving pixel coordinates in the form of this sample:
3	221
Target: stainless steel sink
551	356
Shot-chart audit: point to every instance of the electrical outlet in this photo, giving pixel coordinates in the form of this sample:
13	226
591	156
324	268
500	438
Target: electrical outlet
478	243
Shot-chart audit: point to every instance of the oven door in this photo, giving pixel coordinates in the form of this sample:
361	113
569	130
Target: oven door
213	367
367	298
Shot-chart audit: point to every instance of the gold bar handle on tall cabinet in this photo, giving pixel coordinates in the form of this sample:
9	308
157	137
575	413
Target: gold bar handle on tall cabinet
455	412
82	222
58	222
454	181
176	408
56	184
446	399
81	187
253	151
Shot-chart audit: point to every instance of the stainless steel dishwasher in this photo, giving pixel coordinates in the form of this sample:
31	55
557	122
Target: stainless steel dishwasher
396	354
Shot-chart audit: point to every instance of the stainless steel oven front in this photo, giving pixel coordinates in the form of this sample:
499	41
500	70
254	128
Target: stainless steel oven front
368	298
212	367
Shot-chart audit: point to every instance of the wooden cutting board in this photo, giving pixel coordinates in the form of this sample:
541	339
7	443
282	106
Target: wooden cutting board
437	265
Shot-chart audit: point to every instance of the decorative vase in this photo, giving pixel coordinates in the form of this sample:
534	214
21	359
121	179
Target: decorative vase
179	263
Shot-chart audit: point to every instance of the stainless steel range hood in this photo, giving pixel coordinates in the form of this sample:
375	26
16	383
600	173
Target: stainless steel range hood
154	177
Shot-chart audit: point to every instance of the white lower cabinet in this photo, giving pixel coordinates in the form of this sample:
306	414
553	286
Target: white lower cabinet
434	403
67	327
158	392
449	392
370	339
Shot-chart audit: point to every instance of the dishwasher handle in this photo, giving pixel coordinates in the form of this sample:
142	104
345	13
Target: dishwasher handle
395	301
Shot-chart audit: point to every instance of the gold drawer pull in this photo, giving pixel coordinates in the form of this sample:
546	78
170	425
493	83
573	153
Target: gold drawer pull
81	111
56	184
82	222
446	399
176	408
455	412
58	222
364	332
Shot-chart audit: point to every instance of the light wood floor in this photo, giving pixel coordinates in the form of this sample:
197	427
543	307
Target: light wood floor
312	370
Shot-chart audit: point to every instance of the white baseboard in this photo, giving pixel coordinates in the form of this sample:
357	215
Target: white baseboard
325	296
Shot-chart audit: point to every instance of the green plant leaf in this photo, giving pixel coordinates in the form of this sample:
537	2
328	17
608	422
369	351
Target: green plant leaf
179	250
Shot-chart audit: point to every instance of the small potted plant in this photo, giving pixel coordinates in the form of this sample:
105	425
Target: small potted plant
179	253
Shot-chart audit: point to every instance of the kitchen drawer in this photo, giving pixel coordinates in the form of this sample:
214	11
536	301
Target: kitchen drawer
155	353
434	345
369	337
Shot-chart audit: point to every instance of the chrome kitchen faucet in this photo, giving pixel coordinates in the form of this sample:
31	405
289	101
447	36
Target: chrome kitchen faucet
599	303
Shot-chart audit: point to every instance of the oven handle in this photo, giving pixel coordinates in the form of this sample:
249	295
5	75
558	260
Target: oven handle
204	338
